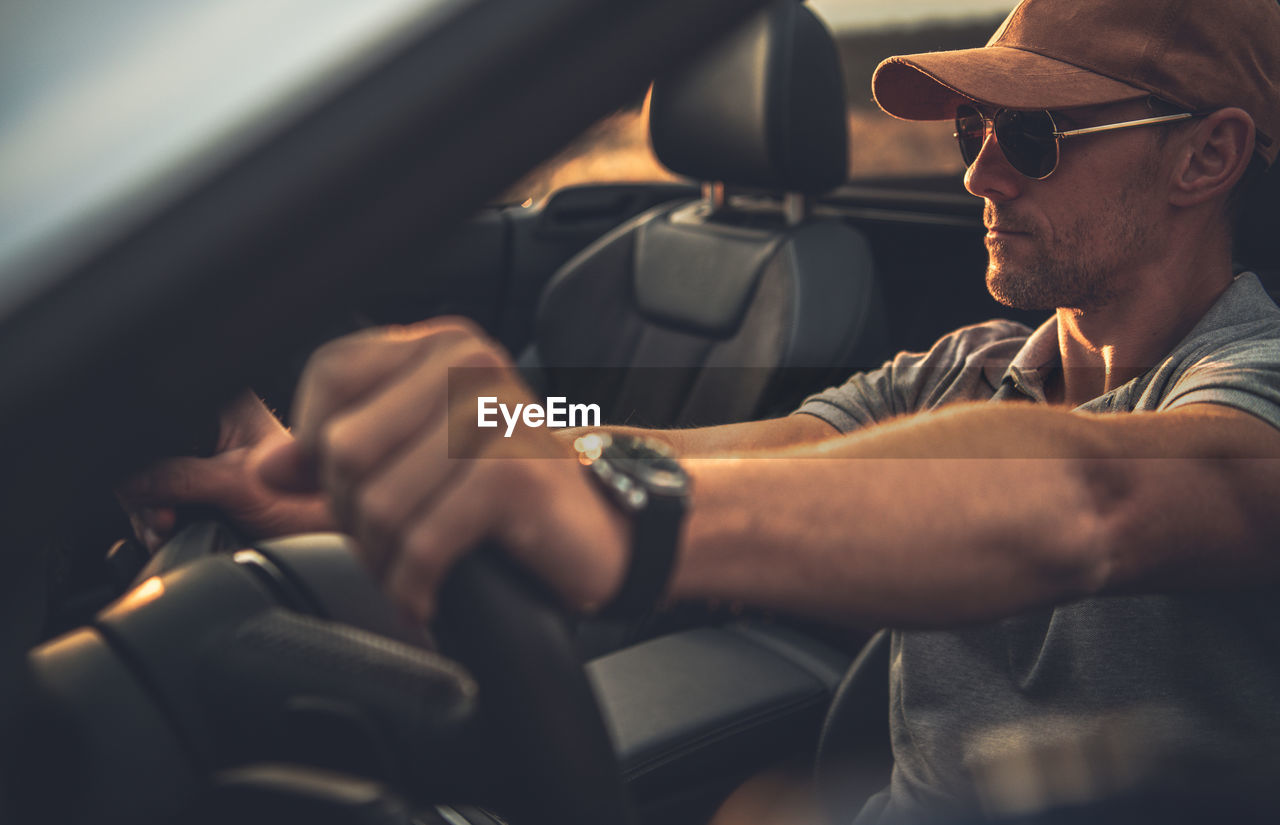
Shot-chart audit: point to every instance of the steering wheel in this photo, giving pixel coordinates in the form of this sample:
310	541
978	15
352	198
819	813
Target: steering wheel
197	665
539	710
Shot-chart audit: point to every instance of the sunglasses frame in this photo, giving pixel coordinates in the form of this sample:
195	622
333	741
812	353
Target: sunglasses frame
989	130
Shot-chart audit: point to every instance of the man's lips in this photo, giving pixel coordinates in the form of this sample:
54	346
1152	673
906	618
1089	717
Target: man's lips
1005	232
1003	224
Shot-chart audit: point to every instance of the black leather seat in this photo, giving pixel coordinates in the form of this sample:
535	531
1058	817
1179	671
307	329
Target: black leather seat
736	305
1257	242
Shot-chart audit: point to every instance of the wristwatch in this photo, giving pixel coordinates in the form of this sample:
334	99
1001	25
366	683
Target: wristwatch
642	477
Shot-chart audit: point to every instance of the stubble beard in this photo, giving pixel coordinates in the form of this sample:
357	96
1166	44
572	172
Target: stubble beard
1079	268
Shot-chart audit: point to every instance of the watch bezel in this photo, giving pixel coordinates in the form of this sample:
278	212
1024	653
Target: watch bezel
634	470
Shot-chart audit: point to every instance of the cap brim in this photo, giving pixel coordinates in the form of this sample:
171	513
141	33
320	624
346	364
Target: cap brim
928	86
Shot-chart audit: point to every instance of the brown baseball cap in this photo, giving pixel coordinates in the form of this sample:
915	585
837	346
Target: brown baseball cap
1057	54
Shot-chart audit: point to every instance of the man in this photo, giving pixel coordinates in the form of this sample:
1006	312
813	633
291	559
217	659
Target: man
1106	140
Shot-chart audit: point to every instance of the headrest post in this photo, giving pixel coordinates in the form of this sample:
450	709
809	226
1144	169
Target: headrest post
795	207
713	195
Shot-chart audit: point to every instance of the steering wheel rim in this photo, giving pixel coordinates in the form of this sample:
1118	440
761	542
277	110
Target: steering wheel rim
542	737
558	764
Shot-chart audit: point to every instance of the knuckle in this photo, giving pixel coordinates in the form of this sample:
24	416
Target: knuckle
314	395
481	354
343	451
318	372
345	368
333	359
428	336
466	338
459	325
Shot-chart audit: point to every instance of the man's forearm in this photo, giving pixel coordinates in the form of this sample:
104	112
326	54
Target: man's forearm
907	542
982	512
730	439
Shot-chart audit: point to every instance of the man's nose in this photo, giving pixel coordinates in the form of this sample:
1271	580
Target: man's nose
990	176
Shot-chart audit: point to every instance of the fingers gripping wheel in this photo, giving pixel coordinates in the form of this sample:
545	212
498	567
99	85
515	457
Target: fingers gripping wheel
541	722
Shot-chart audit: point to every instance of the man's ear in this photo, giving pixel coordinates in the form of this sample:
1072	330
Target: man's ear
1213	156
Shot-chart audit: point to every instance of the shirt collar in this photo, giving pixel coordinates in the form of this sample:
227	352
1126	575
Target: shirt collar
1031	365
1244	300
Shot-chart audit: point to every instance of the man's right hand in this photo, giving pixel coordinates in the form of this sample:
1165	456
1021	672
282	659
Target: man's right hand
227	481
417	484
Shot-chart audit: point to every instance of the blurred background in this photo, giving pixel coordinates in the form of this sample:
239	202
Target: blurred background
867	31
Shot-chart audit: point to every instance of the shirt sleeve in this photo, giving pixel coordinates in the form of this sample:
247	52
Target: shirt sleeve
1244	375
955	368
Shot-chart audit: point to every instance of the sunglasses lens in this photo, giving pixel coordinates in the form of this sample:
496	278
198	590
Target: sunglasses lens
1027	140
970	132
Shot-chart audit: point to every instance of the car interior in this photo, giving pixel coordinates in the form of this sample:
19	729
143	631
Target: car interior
268	681
718	308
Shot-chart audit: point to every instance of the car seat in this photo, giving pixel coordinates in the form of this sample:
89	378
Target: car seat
735	305
1257	244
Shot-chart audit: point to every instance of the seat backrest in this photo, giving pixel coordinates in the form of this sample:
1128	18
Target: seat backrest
707	311
1257	242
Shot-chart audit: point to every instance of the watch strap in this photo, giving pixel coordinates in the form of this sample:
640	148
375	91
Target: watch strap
655	534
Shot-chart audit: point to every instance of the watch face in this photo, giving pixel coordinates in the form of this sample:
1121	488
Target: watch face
661	476
637	468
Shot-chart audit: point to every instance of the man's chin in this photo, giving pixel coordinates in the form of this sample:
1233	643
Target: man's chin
1017	291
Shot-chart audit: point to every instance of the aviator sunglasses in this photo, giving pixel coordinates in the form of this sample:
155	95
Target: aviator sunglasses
1029	139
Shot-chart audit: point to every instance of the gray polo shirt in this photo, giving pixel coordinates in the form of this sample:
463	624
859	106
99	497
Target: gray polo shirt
1095	696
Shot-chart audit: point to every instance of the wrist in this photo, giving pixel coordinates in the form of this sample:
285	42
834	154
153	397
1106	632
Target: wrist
648	489
562	528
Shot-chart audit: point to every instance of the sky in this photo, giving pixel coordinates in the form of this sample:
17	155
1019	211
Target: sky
872	13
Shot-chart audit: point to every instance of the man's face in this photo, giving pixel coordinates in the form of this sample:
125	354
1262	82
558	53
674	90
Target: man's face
1068	240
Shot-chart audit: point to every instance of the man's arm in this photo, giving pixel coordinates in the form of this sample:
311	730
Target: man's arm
229	479
986	510
746	436
965	514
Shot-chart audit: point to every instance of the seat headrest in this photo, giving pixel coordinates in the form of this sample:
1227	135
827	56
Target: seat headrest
764	108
